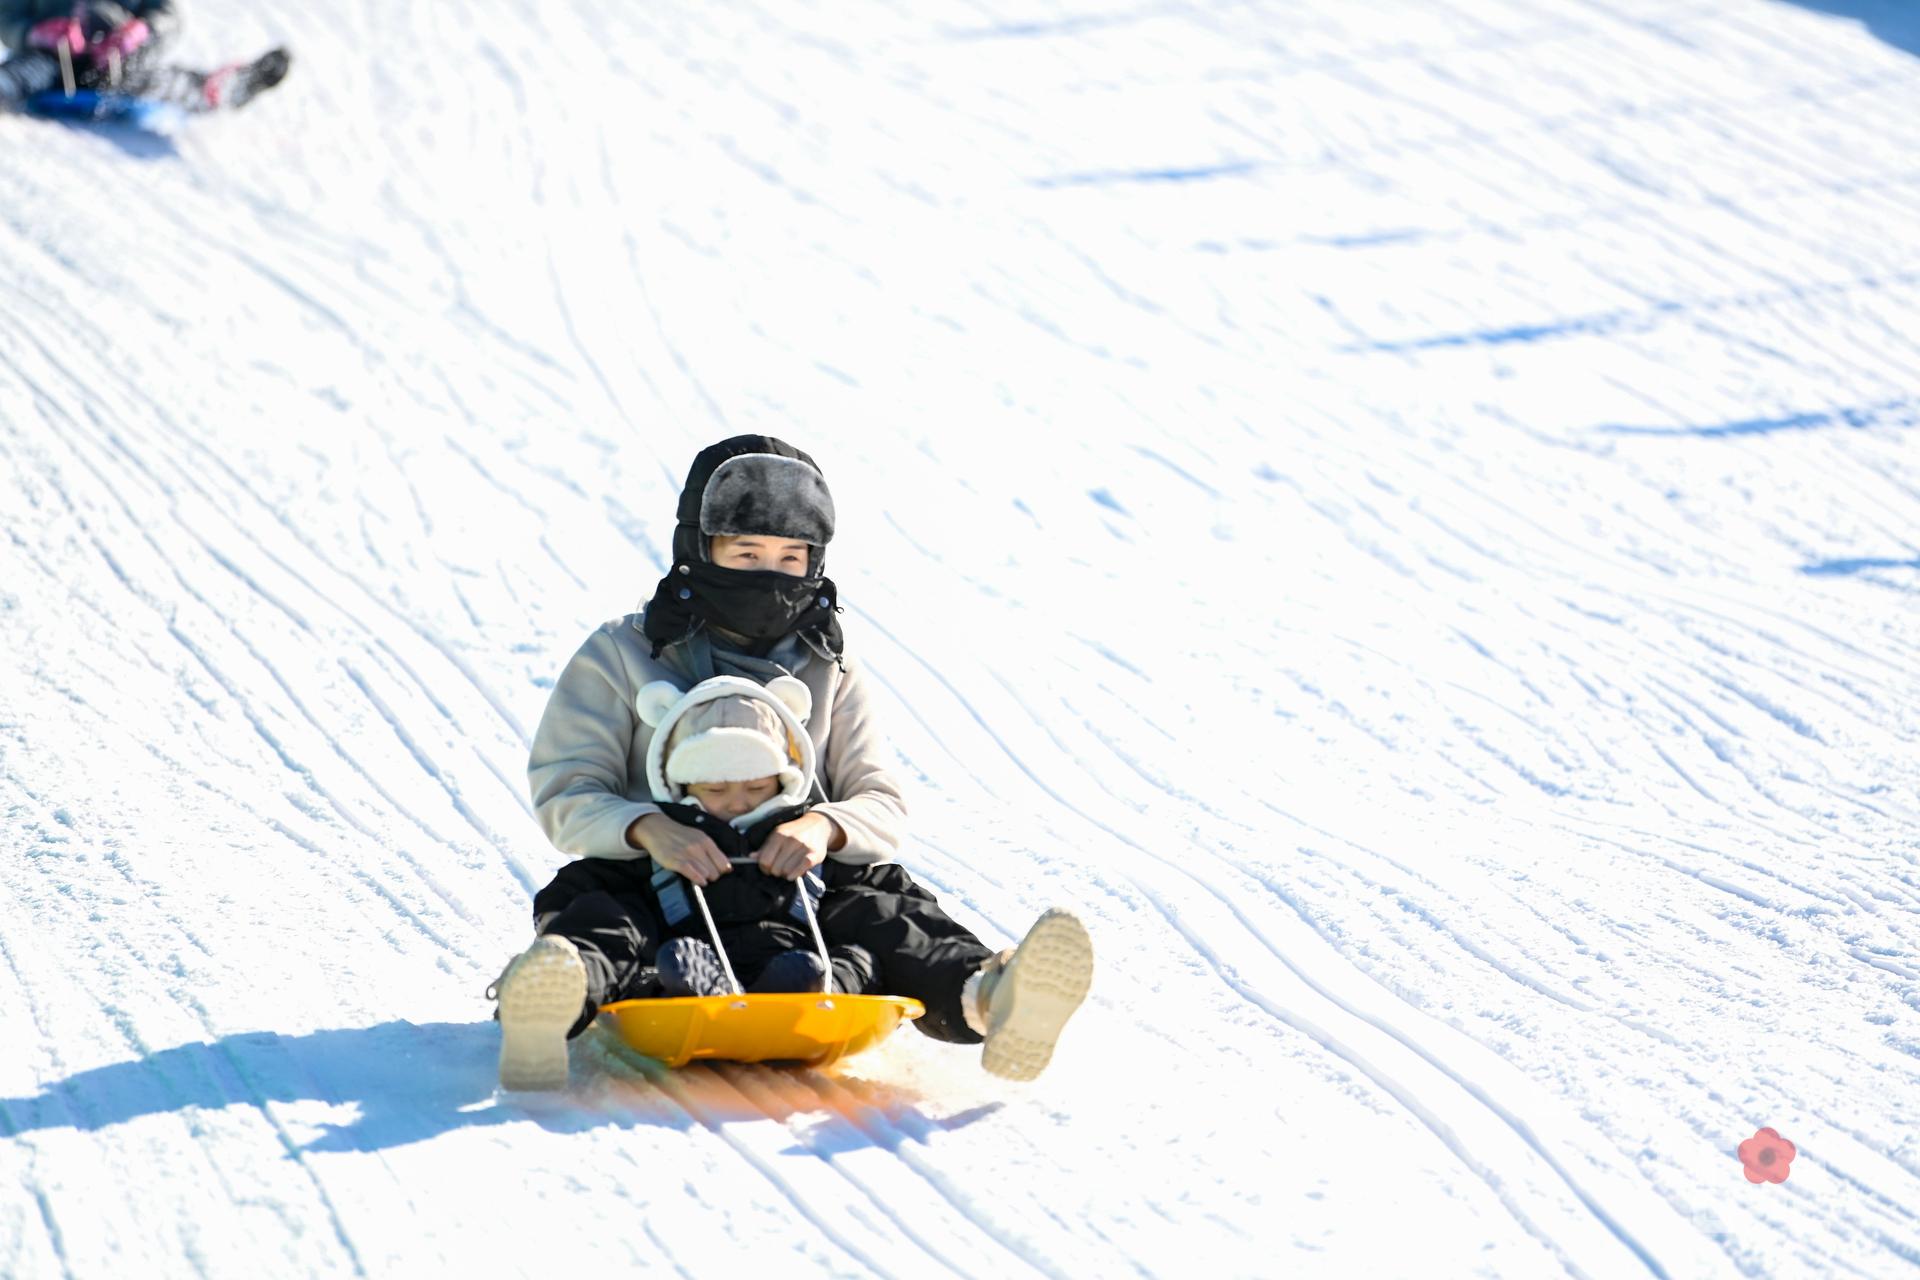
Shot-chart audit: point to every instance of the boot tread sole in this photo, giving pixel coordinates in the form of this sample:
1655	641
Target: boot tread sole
539	1002
1048	979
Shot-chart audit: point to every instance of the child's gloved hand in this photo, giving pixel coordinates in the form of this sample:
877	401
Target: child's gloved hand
51	33
123	41
795	848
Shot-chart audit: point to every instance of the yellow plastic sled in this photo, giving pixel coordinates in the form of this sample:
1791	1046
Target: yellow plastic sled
807	1026
814	1027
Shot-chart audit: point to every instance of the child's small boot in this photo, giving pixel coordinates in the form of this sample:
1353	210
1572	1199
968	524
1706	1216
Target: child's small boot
238	84
689	967
541	993
792	971
1021	999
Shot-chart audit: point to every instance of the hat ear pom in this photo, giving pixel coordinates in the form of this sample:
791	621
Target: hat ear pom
655	700
793	692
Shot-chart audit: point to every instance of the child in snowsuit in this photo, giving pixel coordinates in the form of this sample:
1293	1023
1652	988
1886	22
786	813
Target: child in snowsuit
733	759
116	47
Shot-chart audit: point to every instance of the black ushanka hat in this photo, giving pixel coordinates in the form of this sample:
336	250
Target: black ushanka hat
754	485
749	485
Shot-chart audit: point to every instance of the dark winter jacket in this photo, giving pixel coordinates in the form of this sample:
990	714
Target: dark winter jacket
758	915
745	894
17	17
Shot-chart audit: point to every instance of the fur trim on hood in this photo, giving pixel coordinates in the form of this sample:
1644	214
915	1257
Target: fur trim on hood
729	729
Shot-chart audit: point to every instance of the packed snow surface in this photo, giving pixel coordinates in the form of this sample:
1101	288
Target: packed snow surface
1402	513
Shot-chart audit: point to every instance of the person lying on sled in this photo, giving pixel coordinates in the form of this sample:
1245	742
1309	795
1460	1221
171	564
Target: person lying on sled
120	48
731	759
747	596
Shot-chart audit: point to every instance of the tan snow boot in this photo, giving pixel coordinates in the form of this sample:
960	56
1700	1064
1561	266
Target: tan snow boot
541	994
1024	996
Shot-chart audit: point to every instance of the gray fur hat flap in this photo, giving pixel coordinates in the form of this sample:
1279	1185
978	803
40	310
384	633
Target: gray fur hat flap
768	495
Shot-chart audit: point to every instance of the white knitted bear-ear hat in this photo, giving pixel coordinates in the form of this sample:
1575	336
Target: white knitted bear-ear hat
729	730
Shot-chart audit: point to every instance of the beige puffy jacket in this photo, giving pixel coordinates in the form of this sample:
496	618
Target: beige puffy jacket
588	767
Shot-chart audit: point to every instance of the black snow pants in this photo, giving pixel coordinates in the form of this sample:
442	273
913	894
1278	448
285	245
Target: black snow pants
922	951
606	908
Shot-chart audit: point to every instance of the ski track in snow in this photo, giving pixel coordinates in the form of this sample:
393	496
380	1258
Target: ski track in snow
1402	515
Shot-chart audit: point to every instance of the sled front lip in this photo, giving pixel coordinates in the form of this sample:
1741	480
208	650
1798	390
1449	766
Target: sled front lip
801	1026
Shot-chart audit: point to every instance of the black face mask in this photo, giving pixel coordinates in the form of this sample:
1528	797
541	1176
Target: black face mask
761	605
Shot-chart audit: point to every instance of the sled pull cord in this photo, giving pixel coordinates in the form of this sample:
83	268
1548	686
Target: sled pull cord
813	924
66	68
700	897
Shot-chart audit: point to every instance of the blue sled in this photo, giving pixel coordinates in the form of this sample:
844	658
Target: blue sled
92	106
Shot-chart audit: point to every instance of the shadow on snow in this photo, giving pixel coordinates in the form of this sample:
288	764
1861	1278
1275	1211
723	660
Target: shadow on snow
1898	413
1844	568
408	1082
141	144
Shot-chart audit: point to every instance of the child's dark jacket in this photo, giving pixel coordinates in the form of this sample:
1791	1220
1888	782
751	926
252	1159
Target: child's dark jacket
758	915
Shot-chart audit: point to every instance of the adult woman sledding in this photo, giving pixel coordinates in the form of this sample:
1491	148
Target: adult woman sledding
747	596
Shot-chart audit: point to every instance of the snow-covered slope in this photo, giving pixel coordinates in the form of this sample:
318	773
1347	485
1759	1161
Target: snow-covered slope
1402	513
